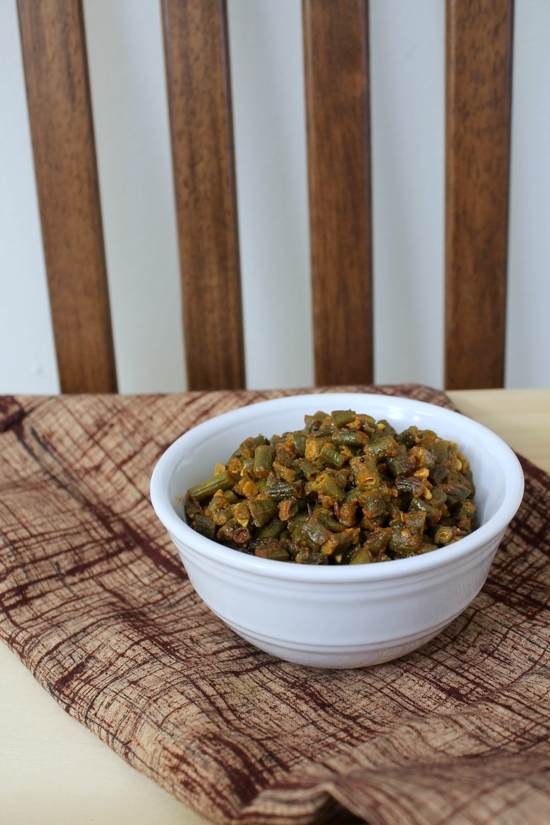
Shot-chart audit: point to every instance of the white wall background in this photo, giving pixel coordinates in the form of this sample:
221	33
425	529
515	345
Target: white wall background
129	101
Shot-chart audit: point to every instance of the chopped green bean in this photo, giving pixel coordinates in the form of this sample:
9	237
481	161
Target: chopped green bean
332	457
263	460
288	508
316	531
326	485
274	528
262	510
361	555
270	548
205	526
342	417
350	438
208	488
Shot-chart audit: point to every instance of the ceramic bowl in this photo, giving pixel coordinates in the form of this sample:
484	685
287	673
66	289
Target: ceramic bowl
332	616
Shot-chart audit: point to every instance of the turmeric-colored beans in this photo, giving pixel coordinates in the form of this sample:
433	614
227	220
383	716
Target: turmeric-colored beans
344	490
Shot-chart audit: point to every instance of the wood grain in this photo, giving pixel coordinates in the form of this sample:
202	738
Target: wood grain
199	96
338	137
479	59
56	76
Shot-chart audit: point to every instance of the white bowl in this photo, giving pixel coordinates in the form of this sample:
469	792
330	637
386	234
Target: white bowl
338	616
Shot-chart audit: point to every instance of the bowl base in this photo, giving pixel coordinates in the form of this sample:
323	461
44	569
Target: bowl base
341	659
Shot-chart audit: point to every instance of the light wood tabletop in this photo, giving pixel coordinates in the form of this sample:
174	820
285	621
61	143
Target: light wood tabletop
520	417
54	771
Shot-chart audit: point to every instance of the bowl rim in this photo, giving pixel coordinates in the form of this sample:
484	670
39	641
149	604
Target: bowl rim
395	569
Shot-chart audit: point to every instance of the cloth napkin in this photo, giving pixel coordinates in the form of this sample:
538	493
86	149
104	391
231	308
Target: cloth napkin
95	601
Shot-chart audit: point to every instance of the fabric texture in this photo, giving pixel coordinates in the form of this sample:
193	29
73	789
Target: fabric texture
95	601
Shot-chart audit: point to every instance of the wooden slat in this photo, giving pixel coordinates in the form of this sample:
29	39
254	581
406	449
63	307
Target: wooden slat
479	58
199	95
54	55
338	137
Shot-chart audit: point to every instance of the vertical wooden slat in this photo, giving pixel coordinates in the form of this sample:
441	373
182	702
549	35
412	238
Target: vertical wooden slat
338	137
199	95
479	59
56	75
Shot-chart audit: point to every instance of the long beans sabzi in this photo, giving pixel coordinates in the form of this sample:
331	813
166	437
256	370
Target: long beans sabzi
345	489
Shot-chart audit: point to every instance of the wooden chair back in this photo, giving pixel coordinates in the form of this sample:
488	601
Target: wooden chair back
478	91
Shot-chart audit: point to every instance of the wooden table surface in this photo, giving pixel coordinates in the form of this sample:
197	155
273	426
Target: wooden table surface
54	771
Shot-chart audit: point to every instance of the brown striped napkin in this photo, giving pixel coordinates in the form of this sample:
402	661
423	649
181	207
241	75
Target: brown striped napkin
95	601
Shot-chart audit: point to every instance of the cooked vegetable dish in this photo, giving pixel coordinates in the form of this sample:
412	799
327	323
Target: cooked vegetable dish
344	490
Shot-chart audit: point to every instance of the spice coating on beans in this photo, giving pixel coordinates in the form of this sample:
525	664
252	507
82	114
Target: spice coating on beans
344	490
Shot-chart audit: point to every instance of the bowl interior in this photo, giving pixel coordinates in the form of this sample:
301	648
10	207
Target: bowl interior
196	453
